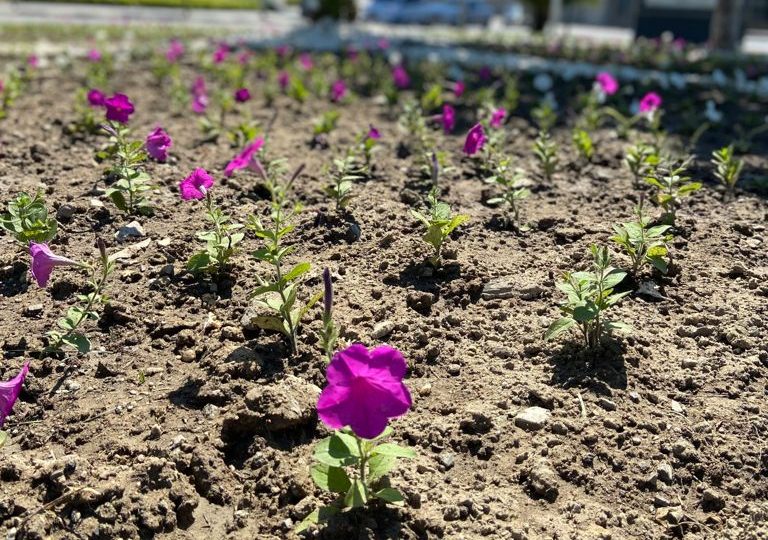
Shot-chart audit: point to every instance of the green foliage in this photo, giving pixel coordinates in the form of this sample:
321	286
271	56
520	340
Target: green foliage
513	190
511	98
432	98
220	242
439	224
85	121
672	185
131	184
343	176
642	243
27	220
297	91
641	160
544	115
13	85
243	133
583	143
355	470
545	150
326	123
414	127
590	295
727	168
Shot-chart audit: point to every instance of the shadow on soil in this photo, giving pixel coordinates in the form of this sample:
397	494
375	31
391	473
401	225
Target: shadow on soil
574	366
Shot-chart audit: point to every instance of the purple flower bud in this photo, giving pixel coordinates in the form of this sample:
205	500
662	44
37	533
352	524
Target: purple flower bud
327	293
242	95
475	140
157	144
498	117
400	77
448	118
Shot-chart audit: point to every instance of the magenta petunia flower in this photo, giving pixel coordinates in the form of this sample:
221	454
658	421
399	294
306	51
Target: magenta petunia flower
305	59
498	117
283	80
198	86
608	83
373	133
650	102
448	118
33	61
221	53
244	158
338	90
96	97
94	55
365	389
157	144
458	89
400	77
196	185
475	140
9	392
242	95
199	103
283	50
44	261
119	108
485	73
175	51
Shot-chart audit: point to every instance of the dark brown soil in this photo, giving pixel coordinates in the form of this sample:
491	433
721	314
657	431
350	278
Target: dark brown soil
661	434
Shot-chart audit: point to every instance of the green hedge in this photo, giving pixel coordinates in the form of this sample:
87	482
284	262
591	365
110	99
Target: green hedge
220	4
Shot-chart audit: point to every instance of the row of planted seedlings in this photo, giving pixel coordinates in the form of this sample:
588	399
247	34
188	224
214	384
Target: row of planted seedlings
365	386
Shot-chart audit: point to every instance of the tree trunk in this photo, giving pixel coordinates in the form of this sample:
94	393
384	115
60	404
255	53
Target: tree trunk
725	28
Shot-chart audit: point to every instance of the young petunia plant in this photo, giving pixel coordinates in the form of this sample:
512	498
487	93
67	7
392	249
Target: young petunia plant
514	190
343	175
672	185
27	220
643	243
590	295
545	150
583	143
222	240
365	390
727	169
641	160
439	224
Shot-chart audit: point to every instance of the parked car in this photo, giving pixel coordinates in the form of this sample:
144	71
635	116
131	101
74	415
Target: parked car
454	12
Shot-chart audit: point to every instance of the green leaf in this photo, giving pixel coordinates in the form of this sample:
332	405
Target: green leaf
613	278
379	466
199	262
455	222
330	478
618	325
268	322
391	495
319	515
338	450
558	327
357	495
79	342
391	449
585	313
296	271
3	438
659	263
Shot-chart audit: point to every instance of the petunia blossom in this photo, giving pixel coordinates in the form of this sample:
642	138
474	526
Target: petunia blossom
650	102
96	97
458	89
475	140
9	392
373	133
242	95
94	55
338	90
244	158
305	60
33	61
119	108
448	118
365	389
221	53
497	117
157	144
175	51
607	83
196	185
283	80
44	261
400	77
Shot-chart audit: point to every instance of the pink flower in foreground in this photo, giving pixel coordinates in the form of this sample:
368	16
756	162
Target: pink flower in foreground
400	77
196	185
475	140
9	392
119	108
244	158
94	55
365	389
458	89
373	133
44	261
650	102
175	51
221	53
283	80
338	90
498	117
96	97
242	95
448	118
608	83
157	144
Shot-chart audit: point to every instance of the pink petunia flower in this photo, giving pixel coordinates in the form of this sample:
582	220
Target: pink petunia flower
365	389
44	261
400	77
283	80
305	59
383	44
33	61
196	185
607	82
119	108
458	89
448	118
199	103
96	97
221	53
283	50
94	55
9	392
157	144
650	102
498	117
242	95
244	158
175	51
338	90
475	140
373	133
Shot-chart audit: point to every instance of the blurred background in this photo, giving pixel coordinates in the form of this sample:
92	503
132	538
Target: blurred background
729	25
